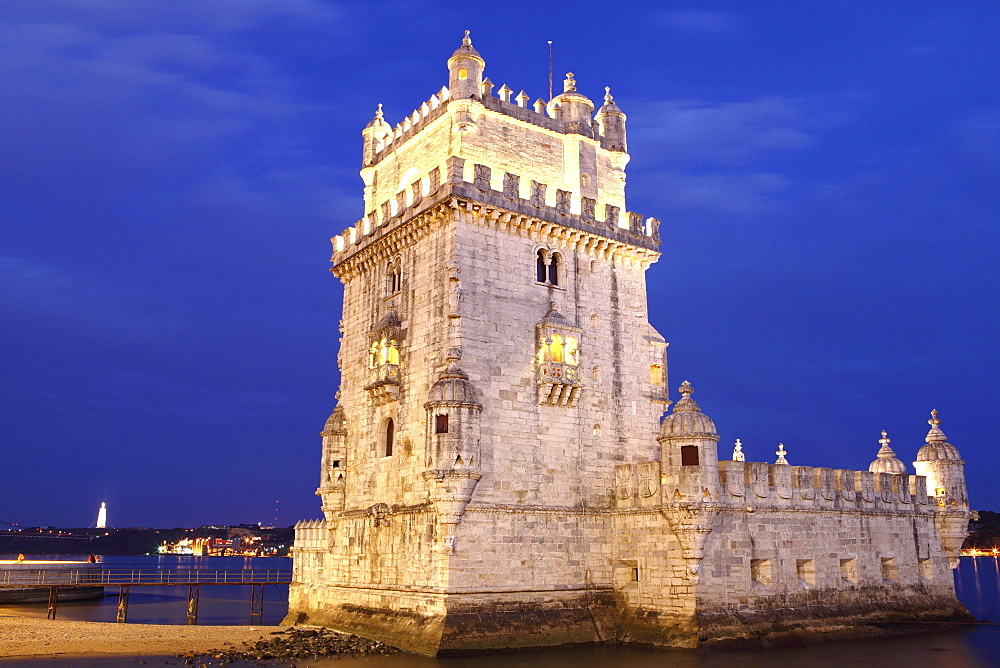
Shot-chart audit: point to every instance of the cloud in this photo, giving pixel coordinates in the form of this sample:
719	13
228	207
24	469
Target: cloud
700	22
729	133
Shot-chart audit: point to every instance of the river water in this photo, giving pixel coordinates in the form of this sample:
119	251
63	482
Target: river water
977	582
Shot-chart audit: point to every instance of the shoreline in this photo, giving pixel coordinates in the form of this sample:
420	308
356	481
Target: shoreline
36	638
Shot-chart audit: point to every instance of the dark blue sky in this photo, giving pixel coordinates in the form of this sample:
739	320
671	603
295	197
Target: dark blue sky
171	172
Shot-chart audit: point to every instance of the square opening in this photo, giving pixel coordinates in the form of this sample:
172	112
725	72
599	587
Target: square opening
626	572
656	376
689	455
890	571
805	570
441	424
849	570
760	571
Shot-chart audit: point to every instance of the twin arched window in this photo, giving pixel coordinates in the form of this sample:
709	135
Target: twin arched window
548	267
393	279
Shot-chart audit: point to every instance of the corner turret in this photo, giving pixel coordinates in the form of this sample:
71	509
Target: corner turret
574	108
612	123
690	473
465	71
944	468
333	463
374	134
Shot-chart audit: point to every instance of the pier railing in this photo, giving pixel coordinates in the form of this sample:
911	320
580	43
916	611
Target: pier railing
139	577
125	579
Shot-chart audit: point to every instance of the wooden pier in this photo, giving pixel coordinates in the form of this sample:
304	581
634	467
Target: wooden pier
125	579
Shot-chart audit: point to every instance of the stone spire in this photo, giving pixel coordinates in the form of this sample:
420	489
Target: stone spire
781	454
886	461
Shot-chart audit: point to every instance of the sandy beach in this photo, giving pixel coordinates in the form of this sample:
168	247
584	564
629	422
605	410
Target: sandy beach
23	637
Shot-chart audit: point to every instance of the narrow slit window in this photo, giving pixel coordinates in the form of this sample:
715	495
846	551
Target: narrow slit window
540	268
390	436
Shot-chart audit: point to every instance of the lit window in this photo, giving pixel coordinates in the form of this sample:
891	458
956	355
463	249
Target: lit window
656	374
463	73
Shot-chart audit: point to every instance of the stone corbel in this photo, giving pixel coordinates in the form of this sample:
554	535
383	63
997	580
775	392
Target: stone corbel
450	491
691	522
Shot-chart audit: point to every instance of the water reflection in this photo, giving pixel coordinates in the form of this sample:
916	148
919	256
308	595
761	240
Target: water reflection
977	581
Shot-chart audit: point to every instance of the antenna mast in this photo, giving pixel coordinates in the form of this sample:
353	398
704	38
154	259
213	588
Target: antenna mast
550	70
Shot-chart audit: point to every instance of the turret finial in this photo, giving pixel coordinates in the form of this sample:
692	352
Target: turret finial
738	455
467	41
570	83
935	435
378	112
607	95
781	454
885	452
686	389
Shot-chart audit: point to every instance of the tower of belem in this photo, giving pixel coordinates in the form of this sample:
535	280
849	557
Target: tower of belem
495	473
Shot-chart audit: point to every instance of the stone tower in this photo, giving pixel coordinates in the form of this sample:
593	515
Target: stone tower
496	360
495	473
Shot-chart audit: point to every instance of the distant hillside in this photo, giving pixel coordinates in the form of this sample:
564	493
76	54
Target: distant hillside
124	542
984	533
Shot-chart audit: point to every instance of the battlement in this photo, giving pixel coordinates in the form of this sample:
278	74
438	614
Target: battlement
541	114
311	534
471	186
761	486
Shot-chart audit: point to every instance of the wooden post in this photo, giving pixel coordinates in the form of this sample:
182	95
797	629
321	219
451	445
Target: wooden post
192	607
256	603
122	615
53	602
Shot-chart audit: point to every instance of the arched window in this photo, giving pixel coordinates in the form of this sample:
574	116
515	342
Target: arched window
556	349
541	271
393	279
555	268
390	436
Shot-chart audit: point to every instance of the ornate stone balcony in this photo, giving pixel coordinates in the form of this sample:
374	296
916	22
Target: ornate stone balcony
557	384
383	383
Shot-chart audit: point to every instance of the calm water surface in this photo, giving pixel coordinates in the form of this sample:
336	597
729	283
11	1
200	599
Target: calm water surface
977	582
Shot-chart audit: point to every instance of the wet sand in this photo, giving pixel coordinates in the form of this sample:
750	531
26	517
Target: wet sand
24	637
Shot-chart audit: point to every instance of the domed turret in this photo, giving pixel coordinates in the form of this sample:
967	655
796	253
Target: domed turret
937	446
886	461
465	71
575	108
687	419
452	386
941	463
612	122
333	463
374	133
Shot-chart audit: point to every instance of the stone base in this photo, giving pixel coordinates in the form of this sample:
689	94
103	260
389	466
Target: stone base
456	624
793	627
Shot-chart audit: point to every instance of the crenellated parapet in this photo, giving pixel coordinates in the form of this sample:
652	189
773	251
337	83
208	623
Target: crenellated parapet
540	210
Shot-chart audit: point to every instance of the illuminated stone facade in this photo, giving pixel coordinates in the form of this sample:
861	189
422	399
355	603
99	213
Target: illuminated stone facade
495	474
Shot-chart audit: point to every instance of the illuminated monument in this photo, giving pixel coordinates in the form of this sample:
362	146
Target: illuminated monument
496	474
102	516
